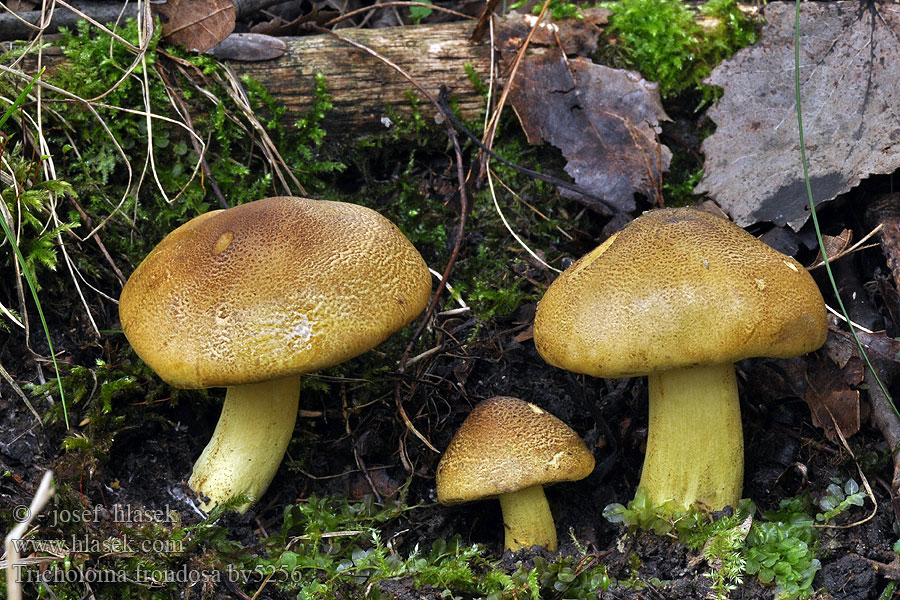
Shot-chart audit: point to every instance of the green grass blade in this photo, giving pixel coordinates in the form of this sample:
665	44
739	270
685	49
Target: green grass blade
20	99
812	209
28	276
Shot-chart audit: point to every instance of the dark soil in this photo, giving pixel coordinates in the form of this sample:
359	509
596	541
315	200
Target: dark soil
148	461
143	453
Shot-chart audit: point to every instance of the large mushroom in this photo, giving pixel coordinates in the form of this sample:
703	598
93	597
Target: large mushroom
252	297
681	295
510	449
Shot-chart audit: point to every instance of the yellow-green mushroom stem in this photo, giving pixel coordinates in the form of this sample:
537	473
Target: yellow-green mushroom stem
250	440
695	445
527	519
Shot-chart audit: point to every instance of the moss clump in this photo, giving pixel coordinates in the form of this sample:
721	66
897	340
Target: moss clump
779	547
663	40
177	189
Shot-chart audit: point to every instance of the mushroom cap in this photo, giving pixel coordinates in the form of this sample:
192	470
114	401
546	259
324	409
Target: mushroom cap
506	445
676	288
273	288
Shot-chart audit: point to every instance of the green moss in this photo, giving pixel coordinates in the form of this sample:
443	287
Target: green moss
98	172
681	179
28	202
557	9
779	548
662	40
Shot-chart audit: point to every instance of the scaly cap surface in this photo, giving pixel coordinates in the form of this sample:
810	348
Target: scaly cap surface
277	287
505	445
676	288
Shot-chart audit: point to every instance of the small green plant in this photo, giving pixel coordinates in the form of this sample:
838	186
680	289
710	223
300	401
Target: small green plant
838	498
681	179
28	202
780	548
558	9
661	520
13	241
419	13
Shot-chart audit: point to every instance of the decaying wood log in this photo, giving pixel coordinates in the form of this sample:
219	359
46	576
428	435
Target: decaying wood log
366	92
885	211
362	87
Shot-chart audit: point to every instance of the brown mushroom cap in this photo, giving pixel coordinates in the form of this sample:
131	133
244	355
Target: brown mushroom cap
677	288
277	287
505	445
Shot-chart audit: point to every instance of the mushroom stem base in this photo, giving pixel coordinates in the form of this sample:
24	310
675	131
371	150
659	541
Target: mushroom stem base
527	519
249	442
695	444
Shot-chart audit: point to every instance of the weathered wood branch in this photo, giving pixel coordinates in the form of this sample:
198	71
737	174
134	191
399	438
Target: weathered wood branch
362	87
364	90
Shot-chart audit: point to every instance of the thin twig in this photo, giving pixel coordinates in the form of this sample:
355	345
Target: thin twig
526	247
862	475
857	246
853	325
41	497
12	383
463	210
353	13
356	455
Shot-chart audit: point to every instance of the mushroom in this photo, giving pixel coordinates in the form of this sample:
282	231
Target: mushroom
252	297
680	295
509	449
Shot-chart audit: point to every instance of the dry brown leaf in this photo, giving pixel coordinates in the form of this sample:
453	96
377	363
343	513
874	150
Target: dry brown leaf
605	121
831	400
835	244
198	26
18	7
850	66
280	27
579	37
841	347
524	336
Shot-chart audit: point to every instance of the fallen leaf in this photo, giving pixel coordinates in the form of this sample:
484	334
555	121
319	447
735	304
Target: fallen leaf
524	336
484	19
579	37
782	239
832	402
835	245
249	47
198	26
841	347
19	7
850	65
605	121
280	27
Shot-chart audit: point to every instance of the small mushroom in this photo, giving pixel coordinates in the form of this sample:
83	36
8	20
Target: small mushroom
681	295
252	297
510	449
